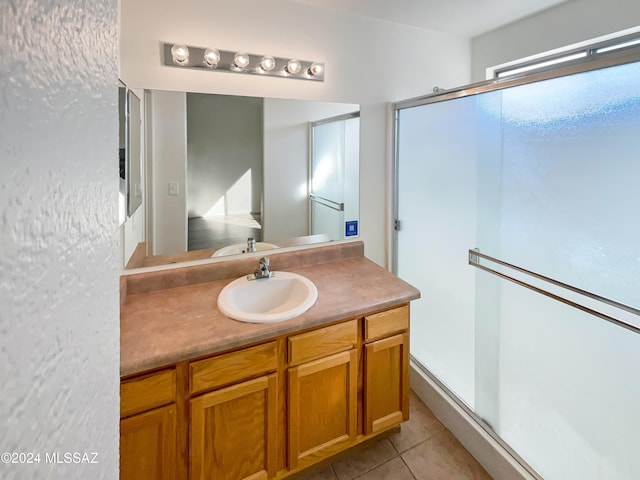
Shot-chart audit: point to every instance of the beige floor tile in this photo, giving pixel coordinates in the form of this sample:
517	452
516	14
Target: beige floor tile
442	457
364	460
392	470
422	425
325	473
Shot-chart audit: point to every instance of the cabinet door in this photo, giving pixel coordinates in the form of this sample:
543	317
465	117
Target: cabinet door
233	432
386	385
322	407
148	445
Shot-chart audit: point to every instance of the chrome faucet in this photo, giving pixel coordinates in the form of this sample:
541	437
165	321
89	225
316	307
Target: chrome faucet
262	271
251	245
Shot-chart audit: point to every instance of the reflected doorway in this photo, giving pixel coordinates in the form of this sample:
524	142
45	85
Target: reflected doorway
224	170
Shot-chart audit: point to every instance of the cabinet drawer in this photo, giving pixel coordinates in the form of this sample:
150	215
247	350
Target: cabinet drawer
232	367
322	342
386	323
147	392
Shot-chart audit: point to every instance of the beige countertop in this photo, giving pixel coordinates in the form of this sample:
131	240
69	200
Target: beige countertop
169	325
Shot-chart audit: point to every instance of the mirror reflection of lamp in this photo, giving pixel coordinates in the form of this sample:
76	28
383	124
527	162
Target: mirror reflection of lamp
180	54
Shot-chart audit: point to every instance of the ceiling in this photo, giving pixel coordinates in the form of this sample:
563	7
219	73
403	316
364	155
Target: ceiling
467	18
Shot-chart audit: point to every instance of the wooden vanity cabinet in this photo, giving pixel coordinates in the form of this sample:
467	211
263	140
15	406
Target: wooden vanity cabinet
268	410
233	429
148	427
233	432
148	445
322	393
386	369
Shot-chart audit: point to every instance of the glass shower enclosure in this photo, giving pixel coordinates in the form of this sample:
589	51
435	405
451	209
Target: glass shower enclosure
519	206
334	171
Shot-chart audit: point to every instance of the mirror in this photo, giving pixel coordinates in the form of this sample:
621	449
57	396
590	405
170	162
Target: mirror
129	152
122	125
227	168
133	154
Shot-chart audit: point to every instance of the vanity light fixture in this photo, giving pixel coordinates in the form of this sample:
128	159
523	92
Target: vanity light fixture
316	69
180	54
211	57
267	63
293	66
241	60
186	56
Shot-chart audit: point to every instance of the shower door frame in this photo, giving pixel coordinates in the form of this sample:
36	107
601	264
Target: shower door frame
311	197
593	60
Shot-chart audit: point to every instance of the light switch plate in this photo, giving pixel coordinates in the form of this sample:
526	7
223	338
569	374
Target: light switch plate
174	188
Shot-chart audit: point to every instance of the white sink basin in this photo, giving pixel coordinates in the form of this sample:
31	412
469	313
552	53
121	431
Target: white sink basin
283	296
239	248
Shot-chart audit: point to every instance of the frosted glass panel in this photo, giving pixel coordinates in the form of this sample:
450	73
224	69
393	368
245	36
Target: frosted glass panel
326	220
335	177
327	179
544	176
571	166
568	389
436	208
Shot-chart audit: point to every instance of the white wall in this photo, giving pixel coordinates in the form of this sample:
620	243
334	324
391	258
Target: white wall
169	157
59	322
132	233
286	163
368	62
566	24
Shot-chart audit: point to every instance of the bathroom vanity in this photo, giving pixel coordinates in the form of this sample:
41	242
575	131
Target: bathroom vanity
204	396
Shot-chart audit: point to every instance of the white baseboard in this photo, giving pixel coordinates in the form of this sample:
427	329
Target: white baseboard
495	459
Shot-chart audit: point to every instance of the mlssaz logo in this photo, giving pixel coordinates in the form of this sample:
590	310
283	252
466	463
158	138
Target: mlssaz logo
71	457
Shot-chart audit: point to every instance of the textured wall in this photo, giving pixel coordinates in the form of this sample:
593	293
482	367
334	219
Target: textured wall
58	236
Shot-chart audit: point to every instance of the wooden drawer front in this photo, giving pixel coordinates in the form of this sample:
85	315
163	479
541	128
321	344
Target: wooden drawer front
322	342
383	324
232	367
147	392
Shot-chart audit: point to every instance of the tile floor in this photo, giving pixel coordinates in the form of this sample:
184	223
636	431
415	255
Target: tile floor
423	450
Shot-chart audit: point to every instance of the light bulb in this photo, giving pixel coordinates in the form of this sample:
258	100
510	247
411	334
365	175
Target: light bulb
293	66
316	69
180	54
211	57
241	60
268	63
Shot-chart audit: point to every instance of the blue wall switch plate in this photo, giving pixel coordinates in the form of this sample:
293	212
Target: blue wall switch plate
351	228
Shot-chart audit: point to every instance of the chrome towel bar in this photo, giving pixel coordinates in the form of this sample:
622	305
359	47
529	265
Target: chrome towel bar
326	202
474	259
